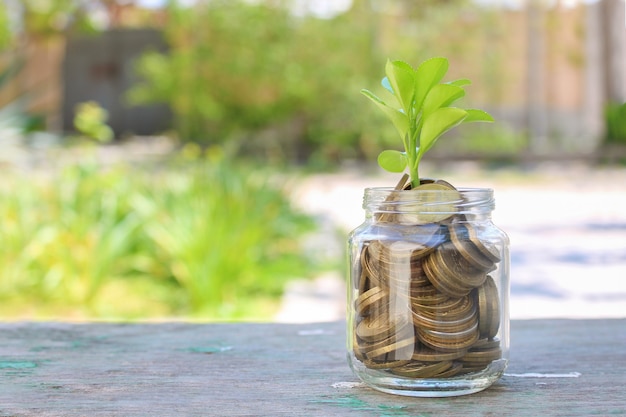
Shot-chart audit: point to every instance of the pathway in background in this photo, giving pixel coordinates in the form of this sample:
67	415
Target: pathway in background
566	222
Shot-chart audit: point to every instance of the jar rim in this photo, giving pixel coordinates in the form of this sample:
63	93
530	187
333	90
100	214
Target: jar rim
460	189
461	200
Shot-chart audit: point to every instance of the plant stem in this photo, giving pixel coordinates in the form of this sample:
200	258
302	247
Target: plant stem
414	155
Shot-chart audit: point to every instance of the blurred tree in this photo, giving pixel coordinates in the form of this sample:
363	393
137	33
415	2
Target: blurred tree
34	32
236	68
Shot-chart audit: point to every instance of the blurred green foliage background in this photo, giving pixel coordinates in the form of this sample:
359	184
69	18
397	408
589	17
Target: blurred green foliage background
198	236
255	88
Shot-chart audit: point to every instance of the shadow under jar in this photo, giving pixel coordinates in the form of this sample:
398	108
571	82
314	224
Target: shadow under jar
428	292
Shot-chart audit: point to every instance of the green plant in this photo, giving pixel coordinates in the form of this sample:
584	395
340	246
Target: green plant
198	236
90	120
225	236
615	117
424	112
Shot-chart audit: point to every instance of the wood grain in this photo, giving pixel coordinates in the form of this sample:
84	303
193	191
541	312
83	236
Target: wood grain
558	368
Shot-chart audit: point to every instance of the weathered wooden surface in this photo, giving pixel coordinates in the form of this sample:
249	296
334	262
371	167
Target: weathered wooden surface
558	368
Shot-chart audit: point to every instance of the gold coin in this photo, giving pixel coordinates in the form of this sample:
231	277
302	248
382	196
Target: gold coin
458	319
396	266
357	349
422	296
471	369
467	331
427	203
488	249
486	344
384	364
402	349
401	250
440	304
368	299
364	283
421	370
401	332
450	273
488	308
370	263
460	239
425	354
457	267
429	235
379	327
442	281
449	342
455	369
482	356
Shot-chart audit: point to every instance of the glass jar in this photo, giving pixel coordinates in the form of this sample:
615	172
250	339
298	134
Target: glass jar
428	292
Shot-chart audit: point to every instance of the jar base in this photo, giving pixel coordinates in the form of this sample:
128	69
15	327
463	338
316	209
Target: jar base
430	387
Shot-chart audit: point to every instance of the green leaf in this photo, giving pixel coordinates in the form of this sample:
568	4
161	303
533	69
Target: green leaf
425	110
460	82
385	83
392	161
437	123
475	115
427	75
441	95
399	119
401	78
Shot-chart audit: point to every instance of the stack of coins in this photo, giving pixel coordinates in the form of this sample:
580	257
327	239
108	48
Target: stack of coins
427	306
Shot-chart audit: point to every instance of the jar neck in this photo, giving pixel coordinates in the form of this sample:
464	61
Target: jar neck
387	205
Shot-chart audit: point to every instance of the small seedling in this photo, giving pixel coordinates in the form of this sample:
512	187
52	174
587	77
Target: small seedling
423	111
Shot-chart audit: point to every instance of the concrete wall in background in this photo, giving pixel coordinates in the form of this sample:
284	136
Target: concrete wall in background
100	68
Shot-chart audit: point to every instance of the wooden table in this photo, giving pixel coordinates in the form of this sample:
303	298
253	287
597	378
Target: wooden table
557	368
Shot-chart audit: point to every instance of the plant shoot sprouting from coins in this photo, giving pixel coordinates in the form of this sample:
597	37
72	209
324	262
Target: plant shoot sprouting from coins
422	111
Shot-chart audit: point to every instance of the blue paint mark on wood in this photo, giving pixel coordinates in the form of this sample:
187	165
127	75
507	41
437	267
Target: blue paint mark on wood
209	349
356	404
17	365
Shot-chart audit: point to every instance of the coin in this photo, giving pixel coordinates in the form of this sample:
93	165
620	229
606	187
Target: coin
370	262
399	262
356	348
488	308
369	298
449	342
450	273
426	354
427	203
384	364
468	250
488	249
394	350
457	319
425	294
403	250
429	234
440	282
482	356
486	344
422	370
378	327
455	266
455	369
471	369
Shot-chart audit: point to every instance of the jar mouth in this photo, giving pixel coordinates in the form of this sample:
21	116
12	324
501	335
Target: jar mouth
460	201
461	190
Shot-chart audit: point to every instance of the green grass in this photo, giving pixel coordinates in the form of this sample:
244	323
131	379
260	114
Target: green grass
196	238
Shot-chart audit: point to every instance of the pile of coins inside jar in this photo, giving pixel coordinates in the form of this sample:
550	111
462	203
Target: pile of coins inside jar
427	307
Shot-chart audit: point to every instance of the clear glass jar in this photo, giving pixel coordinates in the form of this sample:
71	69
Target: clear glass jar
428	294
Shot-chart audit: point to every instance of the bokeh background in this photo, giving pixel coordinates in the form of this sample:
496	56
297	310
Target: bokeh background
204	160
